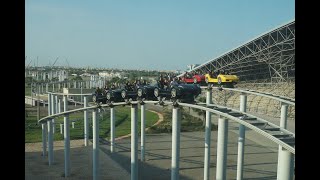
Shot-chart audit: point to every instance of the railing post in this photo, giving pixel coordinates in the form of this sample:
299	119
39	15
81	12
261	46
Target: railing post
112	129
175	155
222	148
52	87
47	87
61	128
285	172
285	158
134	142
95	129
49	104
44	139
53	112
207	145
66	139
142	132
241	139
50	142
56	103
86	123
59	106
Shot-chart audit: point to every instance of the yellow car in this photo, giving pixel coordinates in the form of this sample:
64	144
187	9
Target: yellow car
222	80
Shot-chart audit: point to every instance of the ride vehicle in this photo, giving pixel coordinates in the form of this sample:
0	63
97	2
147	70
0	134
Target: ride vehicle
222	79
147	92
182	92
193	78
114	95
99	96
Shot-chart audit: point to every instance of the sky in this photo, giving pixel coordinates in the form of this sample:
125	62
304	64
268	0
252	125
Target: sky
144	34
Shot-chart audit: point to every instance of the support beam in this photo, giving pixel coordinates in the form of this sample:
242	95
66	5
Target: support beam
285	158
112	129
286	165
241	139
53	111
143	122
95	129
134	142
207	145
50	142
44	139
222	149
175	154
86	122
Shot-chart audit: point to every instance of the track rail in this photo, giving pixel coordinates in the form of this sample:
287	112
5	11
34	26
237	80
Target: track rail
270	131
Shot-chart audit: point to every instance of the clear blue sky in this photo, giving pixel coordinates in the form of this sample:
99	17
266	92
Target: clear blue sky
145	34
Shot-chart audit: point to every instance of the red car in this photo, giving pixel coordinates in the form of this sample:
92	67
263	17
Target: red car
196	79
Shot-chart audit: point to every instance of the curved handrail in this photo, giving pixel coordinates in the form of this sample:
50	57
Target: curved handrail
69	94
236	119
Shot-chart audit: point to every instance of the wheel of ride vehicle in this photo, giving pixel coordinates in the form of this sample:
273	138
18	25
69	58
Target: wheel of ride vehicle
207	80
156	92
123	93
219	80
173	92
94	98
195	80
108	95
139	92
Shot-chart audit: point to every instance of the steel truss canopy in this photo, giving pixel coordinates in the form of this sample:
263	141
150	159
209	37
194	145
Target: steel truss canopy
270	56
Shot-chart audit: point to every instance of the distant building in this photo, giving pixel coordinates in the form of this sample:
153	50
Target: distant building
110	75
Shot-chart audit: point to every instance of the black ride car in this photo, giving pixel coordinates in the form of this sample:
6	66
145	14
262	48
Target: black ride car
185	93
99	97
114	95
146	92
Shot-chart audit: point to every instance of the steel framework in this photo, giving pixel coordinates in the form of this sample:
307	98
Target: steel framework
270	56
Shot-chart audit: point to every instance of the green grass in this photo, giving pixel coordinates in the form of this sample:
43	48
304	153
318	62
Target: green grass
33	132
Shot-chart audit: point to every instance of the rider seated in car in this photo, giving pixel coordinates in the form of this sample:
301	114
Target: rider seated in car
174	82
98	90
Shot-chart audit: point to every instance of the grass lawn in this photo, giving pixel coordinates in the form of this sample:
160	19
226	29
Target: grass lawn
33	132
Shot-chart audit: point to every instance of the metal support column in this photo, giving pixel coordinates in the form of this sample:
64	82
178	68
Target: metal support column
61	128
285	158
95	129
207	145
66	139
175	154
38	103
50	142
44	139
241	139
143	122
49	104
86	123
112	129
222	149
59	106
53	111
56	103
285	172
134	142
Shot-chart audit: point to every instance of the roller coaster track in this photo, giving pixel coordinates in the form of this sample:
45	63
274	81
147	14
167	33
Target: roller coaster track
270	131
